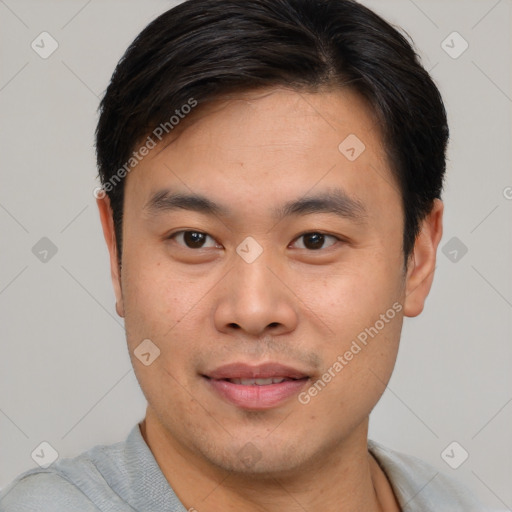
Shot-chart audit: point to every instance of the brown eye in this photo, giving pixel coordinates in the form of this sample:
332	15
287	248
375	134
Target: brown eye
193	239
315	241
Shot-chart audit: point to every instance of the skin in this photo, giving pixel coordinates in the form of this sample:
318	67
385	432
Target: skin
295	305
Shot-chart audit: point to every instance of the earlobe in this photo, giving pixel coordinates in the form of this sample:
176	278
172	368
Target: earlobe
107	223
422	262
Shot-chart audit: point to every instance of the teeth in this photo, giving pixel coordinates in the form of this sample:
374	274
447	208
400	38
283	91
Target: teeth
278	380
258	382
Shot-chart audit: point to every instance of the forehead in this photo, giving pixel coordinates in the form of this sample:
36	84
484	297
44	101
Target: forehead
267	144
279	116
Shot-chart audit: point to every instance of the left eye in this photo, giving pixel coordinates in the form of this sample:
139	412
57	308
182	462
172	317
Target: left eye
193	239
315	241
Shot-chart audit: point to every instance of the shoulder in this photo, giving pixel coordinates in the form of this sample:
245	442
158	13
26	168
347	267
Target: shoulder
83	483
43	491
421	487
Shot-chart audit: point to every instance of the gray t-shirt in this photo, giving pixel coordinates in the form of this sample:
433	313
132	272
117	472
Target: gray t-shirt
125	477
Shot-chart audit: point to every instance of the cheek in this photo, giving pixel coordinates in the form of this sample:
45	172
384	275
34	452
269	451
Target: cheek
162	306
361	305
157	295
350	296
357	368
171	308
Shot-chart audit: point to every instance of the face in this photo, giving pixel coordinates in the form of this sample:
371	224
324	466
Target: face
264	261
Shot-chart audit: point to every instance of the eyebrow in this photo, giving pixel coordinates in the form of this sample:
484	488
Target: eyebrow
166	201
334	201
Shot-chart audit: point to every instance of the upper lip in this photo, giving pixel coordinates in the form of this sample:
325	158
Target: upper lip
261	371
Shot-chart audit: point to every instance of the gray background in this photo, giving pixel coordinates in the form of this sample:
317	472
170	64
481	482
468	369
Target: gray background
65	374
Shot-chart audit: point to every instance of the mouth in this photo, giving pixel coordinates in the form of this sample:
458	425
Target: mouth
259	382
256	387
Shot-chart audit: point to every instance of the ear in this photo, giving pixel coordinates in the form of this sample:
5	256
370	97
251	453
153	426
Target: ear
107	222
422	261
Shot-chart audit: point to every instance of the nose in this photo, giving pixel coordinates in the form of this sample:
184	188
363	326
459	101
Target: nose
256	298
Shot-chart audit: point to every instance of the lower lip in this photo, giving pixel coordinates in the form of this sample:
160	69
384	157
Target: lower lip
257	397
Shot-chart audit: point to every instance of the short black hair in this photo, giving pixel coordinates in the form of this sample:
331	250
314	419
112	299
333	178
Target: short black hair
200	50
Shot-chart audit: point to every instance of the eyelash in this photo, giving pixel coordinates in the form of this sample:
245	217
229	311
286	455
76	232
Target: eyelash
326	235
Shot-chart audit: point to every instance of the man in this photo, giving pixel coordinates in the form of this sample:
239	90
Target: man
271	174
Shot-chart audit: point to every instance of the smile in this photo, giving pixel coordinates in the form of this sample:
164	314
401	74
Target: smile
258	382
259	387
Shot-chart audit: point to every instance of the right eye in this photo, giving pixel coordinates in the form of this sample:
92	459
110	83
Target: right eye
192	239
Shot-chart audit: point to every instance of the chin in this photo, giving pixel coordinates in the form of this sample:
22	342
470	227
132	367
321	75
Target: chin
258	457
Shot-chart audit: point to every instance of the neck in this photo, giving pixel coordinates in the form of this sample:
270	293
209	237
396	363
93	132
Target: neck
347	479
